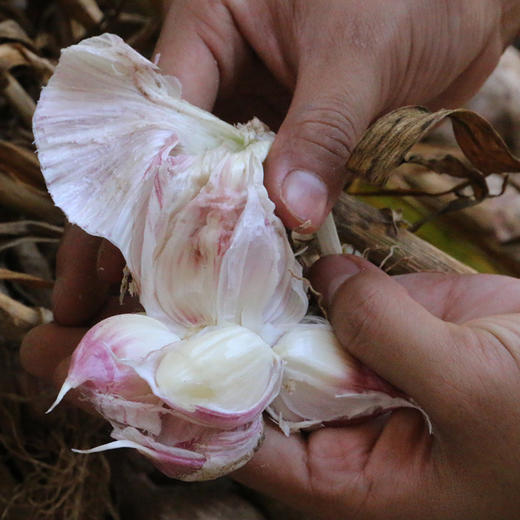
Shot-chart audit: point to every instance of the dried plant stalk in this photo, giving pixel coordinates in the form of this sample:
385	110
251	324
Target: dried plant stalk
29	279
382	238
21	163
28	201
16	318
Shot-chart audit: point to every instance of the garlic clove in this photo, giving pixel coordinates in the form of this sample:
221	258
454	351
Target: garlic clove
101	362
169	184
189	452
221	377
323	383
231	253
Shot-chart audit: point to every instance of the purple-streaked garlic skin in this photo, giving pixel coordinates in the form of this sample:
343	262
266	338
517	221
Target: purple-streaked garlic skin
172	186
181	194
190	452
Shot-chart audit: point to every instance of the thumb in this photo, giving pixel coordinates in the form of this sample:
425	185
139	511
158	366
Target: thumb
378	322
306	167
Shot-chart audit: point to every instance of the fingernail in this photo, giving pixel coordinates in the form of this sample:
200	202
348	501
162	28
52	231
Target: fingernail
305	196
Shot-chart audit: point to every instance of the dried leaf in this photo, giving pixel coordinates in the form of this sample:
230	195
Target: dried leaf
28	279
21	163
17	241
26	200
18	98
11	31
86	12
25	227
387	142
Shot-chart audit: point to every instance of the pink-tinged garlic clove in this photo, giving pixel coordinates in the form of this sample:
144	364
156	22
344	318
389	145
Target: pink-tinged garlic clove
230	251
221	377
190	452
323	383
101	363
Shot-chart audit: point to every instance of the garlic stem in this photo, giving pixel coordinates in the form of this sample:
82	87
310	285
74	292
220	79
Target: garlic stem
328	238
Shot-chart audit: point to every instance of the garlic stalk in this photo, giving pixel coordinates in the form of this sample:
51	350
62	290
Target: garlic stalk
181	194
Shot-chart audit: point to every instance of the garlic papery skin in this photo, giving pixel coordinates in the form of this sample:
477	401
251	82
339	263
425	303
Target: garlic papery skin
323	383
221	377
177	190
189	452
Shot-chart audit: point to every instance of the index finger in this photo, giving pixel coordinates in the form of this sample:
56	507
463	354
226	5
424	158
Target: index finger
183	51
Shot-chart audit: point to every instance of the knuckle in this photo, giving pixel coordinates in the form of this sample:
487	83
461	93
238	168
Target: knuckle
329	127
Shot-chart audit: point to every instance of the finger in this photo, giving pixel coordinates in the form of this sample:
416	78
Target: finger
278	468
451	297
469	82
305	473
461	298
382	325
199	44
78	292
306	167
110	263
44	347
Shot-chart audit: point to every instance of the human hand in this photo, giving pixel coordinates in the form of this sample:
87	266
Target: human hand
321	71
452	343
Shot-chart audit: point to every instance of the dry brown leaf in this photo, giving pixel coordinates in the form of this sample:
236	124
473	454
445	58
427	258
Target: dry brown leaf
386	144
18	98
86	12
8	244
21	163
25	227
24	278
26	200
11	31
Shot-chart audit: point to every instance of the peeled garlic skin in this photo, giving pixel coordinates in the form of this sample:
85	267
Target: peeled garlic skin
189	452
177	190
323	383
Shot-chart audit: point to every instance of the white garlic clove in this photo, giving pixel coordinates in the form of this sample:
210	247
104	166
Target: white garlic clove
177	190
222	377
323	383
190	452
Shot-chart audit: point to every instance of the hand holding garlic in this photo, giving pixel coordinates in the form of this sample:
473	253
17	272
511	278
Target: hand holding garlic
452	342
325	130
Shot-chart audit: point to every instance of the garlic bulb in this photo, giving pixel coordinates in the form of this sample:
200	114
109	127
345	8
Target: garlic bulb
181	194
